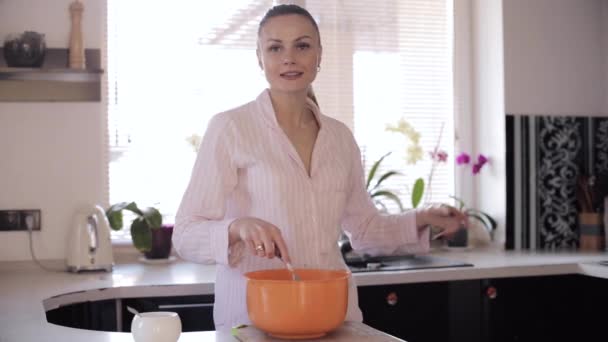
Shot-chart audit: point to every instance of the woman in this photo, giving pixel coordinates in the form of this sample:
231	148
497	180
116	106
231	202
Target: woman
275	173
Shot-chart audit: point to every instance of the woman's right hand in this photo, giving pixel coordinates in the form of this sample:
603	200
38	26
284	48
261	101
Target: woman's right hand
260	237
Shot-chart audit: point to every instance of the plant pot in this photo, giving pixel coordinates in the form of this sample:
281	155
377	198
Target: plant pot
161	242
478	234
459	239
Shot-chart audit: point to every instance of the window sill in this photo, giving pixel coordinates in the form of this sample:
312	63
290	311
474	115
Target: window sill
124	251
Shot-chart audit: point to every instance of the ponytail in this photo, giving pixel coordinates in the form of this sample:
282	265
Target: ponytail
311	95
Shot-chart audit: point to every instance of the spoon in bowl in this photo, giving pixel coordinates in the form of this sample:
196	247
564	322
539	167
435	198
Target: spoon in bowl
294	275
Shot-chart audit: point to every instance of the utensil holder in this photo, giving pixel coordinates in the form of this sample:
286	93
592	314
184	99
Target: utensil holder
591	231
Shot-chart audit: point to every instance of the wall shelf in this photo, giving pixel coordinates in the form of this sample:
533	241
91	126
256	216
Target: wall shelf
55	75
53	82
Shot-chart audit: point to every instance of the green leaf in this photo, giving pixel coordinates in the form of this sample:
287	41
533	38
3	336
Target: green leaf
372	171
486	218
480	219
153	217
115	219
384	177
389	195
141	235
417	192
118	206
133	207
115	215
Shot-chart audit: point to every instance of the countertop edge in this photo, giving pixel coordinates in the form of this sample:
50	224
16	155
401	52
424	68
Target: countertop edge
525	267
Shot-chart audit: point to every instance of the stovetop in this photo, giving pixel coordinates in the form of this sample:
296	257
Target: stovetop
366	263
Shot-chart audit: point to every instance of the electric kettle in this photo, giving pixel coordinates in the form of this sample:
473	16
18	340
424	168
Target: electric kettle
89	245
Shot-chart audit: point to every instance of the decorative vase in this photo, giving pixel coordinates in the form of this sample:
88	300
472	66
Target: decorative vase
25	50
161	242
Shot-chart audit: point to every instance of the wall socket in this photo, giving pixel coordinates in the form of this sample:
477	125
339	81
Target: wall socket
13	220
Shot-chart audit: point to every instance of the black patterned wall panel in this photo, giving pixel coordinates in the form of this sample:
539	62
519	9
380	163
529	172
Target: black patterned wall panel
545	155
601	147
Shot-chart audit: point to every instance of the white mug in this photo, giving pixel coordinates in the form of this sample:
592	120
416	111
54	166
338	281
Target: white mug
159	326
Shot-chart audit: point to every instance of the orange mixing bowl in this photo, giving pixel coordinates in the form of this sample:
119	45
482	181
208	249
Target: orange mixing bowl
308	308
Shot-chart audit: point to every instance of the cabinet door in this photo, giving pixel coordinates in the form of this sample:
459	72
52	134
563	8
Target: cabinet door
465	310
413	312
591	322
195	312
547	308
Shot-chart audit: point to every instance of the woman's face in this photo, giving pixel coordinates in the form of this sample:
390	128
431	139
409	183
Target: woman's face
289	52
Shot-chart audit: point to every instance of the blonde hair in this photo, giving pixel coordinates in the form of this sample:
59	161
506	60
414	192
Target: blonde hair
311	95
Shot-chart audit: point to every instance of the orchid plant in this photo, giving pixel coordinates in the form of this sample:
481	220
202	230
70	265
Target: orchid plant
375	188
414	153
484	218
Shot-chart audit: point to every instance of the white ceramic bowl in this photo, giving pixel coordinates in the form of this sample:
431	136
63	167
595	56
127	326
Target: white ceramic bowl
160	326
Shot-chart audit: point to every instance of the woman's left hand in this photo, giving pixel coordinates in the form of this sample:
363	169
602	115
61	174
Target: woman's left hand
447	218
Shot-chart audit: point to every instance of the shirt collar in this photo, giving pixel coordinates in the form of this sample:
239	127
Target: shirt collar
265	105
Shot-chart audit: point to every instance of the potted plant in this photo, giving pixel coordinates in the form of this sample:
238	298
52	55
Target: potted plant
148	233
377	192
476	217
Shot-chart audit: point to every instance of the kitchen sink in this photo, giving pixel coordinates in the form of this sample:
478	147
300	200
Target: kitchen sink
366	263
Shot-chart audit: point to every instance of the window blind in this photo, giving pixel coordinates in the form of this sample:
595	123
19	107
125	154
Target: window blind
185	61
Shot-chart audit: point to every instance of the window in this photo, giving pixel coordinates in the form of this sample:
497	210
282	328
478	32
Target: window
185	61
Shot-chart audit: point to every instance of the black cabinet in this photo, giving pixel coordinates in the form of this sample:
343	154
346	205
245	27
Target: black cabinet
546	308
530	308
195	312
439	311
96	315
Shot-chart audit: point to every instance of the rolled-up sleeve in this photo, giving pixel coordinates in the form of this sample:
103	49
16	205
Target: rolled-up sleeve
373	232
200	233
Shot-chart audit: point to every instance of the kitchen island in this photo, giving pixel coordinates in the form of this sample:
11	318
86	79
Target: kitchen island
27	291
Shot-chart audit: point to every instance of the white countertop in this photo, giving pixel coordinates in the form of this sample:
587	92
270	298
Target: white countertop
496	264
27	291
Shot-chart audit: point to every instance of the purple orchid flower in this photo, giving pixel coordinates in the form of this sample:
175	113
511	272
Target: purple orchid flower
477	168
440	156
481	160
463	158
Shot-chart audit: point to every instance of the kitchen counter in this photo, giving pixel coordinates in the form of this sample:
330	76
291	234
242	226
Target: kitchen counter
27	291
495	264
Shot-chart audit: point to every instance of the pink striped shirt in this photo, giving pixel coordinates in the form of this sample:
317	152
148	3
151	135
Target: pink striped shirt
246	166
